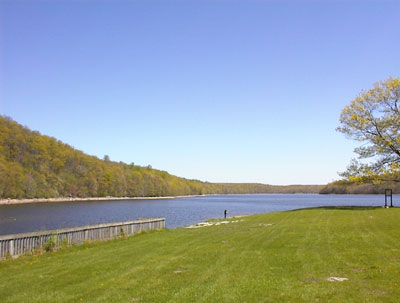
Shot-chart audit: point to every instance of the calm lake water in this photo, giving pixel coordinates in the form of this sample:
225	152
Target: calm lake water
178	212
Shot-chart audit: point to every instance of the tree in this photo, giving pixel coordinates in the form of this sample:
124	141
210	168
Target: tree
373	118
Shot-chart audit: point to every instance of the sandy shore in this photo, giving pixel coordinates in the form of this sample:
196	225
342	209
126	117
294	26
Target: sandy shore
66	199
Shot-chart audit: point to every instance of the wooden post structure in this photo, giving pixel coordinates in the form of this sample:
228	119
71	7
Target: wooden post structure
388	194
11	248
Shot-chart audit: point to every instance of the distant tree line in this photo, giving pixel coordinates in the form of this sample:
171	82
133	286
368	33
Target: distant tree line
355	187
37	166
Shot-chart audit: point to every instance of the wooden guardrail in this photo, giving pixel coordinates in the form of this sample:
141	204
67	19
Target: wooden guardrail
19	244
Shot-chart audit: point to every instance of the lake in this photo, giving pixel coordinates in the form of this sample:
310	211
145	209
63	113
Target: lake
178	212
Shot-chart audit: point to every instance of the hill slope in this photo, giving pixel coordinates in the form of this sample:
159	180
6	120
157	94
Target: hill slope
37	166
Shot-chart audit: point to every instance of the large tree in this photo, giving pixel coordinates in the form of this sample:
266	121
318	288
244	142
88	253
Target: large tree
373	118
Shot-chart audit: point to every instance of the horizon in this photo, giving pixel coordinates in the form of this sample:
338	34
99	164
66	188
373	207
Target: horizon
238	92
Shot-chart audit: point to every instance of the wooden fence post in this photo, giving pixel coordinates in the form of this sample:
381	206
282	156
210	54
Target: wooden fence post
11	248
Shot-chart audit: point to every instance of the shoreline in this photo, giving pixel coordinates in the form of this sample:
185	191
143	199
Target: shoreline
91	199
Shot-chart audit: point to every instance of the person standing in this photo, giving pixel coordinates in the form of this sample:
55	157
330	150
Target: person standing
225	212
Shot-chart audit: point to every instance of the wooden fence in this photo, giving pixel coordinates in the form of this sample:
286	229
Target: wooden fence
19	244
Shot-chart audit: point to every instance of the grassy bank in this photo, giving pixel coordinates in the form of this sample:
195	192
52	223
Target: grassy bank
276	257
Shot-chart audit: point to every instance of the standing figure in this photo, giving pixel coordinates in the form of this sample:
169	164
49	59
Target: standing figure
225	212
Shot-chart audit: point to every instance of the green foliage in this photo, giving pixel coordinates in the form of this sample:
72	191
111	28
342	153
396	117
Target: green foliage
373	118
122	233
50	245
37	166
64	243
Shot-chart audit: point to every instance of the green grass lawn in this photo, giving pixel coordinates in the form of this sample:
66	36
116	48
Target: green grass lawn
275	257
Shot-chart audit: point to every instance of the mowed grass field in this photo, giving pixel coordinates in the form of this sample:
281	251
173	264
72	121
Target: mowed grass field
275	257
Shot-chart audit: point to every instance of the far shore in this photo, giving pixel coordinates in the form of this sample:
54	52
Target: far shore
78	199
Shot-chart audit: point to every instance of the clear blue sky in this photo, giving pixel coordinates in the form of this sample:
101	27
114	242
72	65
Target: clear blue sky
221	91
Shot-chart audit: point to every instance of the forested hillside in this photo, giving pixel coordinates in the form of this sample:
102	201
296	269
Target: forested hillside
37	166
